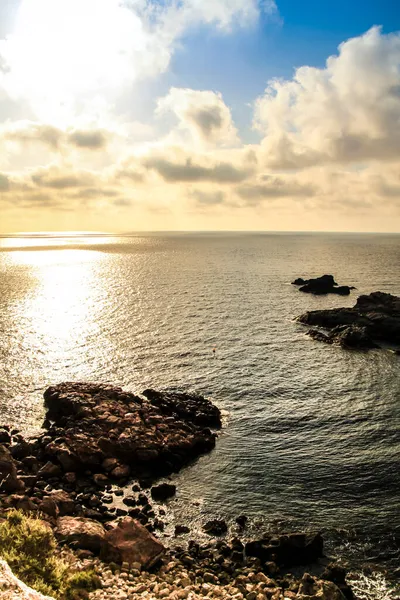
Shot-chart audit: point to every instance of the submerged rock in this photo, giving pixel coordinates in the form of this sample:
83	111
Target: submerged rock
374	318
325	284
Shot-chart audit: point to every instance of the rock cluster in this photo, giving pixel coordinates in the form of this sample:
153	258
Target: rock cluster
375	319
98	438
121	434
212	572
325	284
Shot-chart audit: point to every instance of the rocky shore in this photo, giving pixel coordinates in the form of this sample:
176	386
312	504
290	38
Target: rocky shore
100	441
373	321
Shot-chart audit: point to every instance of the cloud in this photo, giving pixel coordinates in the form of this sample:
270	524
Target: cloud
27	132
4	183
188	168
203	114
348	111
272	188
65	55
89	139
59	178
208	198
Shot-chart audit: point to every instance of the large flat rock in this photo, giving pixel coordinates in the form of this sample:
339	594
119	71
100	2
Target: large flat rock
151	435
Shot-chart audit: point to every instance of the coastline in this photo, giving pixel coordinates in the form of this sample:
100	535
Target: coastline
71	475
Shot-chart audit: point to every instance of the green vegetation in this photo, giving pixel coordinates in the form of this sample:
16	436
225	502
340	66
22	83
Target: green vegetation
28	545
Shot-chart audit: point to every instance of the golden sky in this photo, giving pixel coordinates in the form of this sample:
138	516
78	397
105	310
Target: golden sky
83	148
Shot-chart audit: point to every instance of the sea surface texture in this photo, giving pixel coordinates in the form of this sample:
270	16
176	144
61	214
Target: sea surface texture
311	434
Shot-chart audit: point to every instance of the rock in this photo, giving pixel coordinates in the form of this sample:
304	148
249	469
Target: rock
100	427
64	502
9	481
23	503
337	574
70	478
121	472
49	470
23	448
163	491
180	529
351	337
49	507
31	463
128	541
215	527
101	480
28	480
325	284
190	407
109	464
11	588
311	587
374	319
5	437
288	550
241	521
81	533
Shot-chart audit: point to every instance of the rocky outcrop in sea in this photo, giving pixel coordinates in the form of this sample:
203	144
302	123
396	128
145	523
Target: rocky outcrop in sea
373	321
319	286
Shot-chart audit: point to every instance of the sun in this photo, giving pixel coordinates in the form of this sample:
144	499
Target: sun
64	53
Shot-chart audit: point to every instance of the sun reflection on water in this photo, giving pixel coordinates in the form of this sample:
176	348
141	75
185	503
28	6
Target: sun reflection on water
57	313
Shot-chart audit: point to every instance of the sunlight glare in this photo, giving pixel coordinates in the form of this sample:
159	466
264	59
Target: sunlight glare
54	57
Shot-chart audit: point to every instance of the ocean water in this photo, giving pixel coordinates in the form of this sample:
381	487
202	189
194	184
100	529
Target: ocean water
311	434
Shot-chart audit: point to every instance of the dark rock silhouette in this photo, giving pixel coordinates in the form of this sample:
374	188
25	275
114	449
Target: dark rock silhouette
325	284
375	319
288	550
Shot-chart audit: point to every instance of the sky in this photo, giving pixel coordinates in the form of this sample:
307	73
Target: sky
147	115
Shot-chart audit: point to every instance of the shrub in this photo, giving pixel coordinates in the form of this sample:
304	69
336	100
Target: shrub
28	545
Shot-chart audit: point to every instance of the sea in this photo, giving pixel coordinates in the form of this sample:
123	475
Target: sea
311	435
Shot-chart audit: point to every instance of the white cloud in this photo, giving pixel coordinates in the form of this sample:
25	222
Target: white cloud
202	114
71	57
348	111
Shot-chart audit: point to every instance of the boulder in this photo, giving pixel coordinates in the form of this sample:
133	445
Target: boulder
9	481
5	437
311	588
49	470
128	541
337	574
216	527
81	533
163	491
64	502
374	319
11	588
